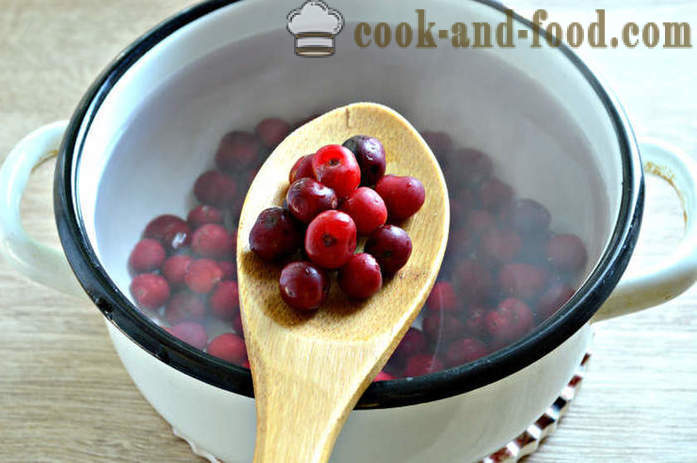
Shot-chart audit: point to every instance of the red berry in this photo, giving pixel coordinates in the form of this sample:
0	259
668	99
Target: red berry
191	333
391	247
360	278
228	268
422	364
170	230
174	269
494	194
414	342
529	217
272	131
442	297
403	196
382	376
523	281
510	321
336	167
149	291
215	188
184	305
303	286
370	156
475	280
203	214
463	351
212	240
331	239
475	321
501	245
229	347
567	252
147	256
203	275
224	300
442	326
274	234
306	198
367	209
302	169
237	324
479	165
552	300
236	150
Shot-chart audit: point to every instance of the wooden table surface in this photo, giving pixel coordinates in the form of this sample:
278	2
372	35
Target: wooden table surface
64	396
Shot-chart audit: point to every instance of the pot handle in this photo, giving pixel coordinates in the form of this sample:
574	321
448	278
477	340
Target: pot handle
39	262
678	271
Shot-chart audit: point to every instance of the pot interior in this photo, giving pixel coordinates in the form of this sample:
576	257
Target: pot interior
529	110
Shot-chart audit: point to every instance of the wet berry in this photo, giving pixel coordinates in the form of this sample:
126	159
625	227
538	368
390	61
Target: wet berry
331	239
274	234
367	209
303	286
403	196
150	291
391	247
361	277
370	156
336	167
306	198
147	256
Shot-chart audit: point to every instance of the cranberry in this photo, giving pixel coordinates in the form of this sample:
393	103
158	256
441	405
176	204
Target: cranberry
478	165
475	280
501	245
274	235
442	297
370	155
422	364
303	286
442	326
494	194
170	230
367	209
413	342
215	188
272	131
184	305
236	150
567	252
306	198
403	196
524	281
224	300
510	321
191	333
475	321
149	291
237	324
360	278
211	240
480	221
439	142
529	217
147	256
174	269
463	351
302	169
203	214
391	247
228	268
552	300
336	167
203	275
229	347
382	376
331	239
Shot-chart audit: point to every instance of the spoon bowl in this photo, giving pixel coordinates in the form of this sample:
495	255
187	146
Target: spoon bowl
309	369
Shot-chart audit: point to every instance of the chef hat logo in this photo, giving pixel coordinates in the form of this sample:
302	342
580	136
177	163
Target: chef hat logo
315	26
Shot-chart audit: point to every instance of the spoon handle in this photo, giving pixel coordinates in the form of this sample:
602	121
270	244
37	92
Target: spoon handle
303	404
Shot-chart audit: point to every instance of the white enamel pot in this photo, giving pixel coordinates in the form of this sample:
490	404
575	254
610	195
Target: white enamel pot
148	124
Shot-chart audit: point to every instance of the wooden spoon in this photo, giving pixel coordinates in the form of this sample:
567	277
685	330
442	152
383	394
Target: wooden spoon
309	370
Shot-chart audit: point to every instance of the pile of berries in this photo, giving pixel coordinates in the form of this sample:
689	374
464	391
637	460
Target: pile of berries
335	195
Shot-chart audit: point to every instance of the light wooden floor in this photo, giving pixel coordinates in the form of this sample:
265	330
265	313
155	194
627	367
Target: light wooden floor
64	396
